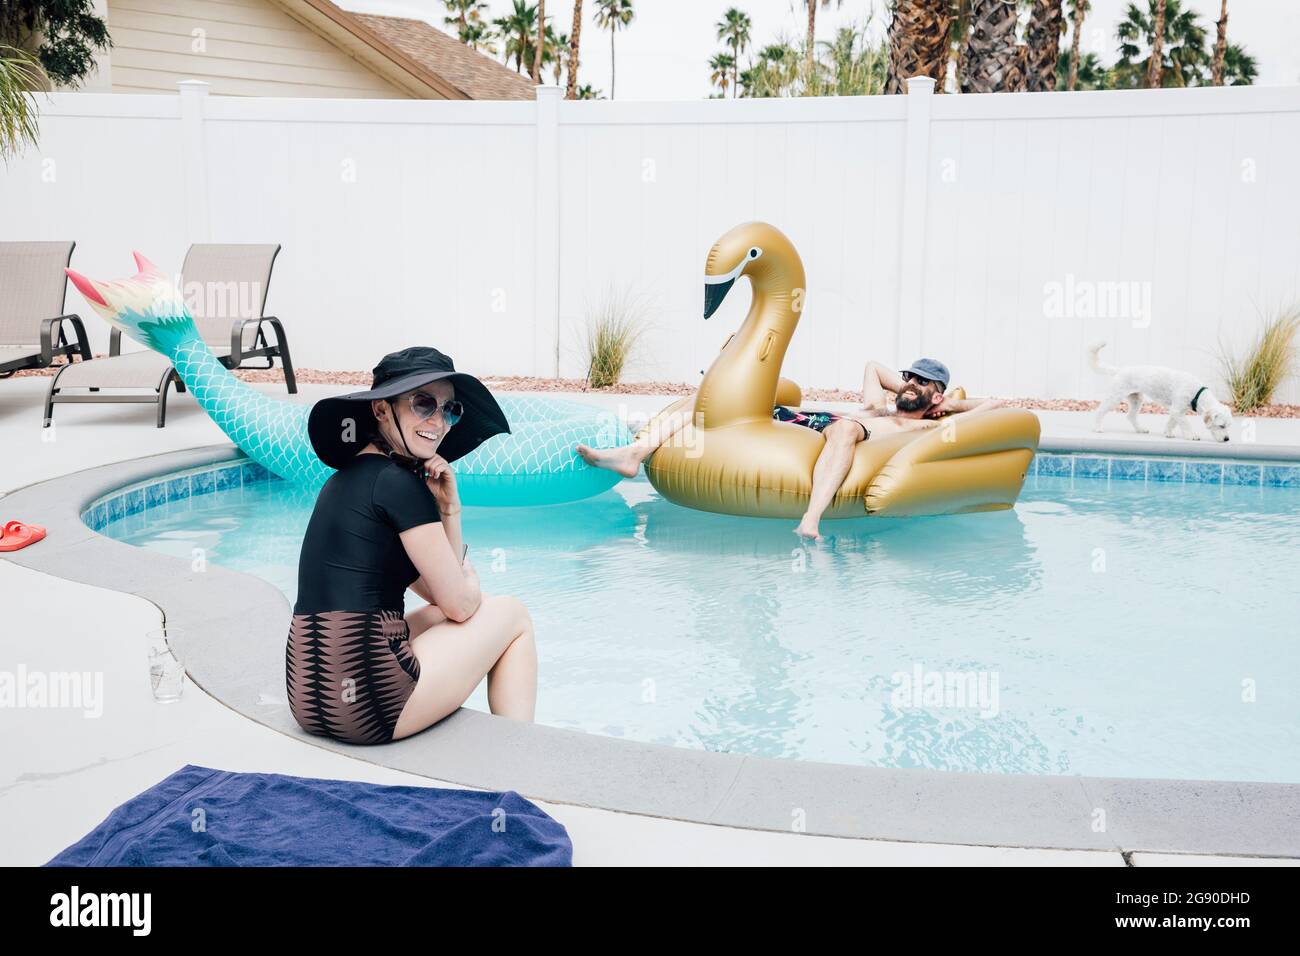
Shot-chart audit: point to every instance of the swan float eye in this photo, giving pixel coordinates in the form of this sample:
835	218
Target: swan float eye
755	252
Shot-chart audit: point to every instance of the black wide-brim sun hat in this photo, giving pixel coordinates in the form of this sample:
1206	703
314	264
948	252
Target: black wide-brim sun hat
340	426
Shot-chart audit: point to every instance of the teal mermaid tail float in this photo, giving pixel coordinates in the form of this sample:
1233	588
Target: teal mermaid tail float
536	464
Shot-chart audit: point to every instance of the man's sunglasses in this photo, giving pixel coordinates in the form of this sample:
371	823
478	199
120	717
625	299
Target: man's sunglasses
913	377
426	406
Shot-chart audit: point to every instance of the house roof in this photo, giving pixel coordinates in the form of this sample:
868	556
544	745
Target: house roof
420	59
479	77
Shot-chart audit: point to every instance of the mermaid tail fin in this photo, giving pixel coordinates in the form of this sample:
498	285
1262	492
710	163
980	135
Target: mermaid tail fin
146	306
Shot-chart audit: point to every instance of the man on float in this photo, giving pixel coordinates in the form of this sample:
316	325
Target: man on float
919	402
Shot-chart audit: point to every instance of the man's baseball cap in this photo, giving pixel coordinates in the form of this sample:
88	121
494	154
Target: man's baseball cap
931	369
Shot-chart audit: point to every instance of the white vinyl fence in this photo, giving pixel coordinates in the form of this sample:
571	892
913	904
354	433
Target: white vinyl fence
1001	234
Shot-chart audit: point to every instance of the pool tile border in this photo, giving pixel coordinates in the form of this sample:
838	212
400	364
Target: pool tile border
132	499
1051	464
156	492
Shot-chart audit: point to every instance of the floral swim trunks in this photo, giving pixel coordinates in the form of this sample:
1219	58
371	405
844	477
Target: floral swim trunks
817	421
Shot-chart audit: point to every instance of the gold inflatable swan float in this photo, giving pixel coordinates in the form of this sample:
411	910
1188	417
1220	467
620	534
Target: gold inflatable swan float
736	459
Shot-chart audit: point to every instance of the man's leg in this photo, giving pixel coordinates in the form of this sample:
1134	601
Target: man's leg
832	466
658	431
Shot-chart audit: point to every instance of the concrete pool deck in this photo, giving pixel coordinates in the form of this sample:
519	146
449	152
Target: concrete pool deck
64	773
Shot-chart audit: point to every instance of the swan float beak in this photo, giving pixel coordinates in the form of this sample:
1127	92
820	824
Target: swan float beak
715	290
717	287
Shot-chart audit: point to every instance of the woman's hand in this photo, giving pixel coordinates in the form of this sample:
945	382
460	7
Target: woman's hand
442	482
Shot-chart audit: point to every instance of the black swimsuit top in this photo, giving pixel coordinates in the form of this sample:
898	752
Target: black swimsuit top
352	558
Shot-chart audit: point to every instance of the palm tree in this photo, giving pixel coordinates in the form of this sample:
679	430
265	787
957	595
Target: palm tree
852	66
722	65
588	92
539	48
992	62
1042	43
571	93
734	28
812	29
1220	45
20	76
1155	64
557	52
611	15
773	73
954	49
463	13
478	36
780	63
918	41
1181	47
1089	72
1080	11
517	30
1239	67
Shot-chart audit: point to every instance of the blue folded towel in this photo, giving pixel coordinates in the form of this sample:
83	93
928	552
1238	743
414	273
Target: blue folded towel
204	817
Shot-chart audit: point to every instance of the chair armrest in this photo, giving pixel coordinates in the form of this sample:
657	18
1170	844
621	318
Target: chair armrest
47	335
237	339
274	322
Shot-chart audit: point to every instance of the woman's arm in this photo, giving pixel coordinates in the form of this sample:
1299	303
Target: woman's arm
452	586
451	524
422	590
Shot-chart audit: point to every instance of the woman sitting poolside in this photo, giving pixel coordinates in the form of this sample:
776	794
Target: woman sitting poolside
358	668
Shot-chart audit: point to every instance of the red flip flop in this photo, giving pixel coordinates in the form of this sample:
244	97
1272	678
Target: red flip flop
17	535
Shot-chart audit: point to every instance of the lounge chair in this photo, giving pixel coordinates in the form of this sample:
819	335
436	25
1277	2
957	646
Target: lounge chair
32	324
225	287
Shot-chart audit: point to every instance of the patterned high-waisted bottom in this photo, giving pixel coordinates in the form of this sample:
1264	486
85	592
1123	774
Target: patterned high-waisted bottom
349	673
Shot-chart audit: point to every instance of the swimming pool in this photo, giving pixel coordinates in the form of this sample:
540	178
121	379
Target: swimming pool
1103	627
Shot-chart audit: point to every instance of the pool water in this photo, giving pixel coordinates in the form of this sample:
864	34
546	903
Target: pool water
1105	628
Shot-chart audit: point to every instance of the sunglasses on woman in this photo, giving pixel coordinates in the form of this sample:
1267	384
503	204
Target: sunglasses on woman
426	406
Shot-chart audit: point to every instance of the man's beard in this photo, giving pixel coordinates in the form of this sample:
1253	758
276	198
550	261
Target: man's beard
910	401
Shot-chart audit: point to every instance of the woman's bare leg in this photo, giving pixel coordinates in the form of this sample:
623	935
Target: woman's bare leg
832	466
658	431
497	643
421	619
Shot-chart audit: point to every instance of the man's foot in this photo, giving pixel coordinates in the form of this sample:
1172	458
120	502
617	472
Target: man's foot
622	461
808	529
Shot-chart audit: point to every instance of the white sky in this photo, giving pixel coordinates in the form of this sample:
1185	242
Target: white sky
664	53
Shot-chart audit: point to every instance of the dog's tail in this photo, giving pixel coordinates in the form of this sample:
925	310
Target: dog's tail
1094	359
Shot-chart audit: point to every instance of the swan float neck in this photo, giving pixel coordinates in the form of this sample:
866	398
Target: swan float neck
741	383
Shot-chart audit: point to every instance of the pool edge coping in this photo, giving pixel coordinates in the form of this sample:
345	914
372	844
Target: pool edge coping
571	767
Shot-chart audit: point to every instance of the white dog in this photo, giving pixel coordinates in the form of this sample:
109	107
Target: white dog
1178	391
